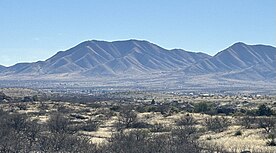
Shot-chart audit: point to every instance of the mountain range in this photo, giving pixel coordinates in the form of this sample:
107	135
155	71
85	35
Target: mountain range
101	58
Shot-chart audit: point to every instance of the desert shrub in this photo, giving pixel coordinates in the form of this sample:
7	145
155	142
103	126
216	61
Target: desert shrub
62	142
39	113
105	113
90	125
163	109
204	107
151	109
3	97
115	108
185	133
27	99
126	119
217	124
201	107
209	138
16	121
64	109
141	124
251	112
134	141
43	106
271	139
18	134
214	148
186	120
248	121
2	113
152	102
140	141
174	109
87	110
141	108
94	105
160	143
264	110
225	110
184	139
271	135
78	116
22	106
267	123
58	123
238	133
158	127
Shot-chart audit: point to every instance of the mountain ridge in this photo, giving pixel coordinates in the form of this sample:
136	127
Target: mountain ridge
97	58
237	57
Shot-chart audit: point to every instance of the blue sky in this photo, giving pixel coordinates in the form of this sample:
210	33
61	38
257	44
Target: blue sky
32	30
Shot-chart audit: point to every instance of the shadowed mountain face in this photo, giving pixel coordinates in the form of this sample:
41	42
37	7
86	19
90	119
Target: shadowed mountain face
101	58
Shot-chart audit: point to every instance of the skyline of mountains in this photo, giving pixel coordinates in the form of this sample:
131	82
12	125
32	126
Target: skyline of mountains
243	61
100	58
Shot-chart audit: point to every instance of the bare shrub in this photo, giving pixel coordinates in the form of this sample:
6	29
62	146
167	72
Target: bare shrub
217	124
126	119
90	125
186	120
58	123
248	121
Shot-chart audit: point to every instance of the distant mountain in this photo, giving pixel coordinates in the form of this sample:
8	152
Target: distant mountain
240	61
100	58
110	58
2	68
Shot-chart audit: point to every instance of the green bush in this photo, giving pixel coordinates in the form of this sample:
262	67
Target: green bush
238	133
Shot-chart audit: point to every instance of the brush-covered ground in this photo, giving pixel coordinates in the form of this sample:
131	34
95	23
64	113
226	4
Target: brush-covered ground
32	121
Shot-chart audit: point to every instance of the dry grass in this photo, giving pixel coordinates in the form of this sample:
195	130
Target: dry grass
251	139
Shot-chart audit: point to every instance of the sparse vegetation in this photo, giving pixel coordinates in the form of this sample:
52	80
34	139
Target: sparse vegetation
217	124
115	126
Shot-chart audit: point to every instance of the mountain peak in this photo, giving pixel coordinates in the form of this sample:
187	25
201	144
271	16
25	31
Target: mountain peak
239	44
117	41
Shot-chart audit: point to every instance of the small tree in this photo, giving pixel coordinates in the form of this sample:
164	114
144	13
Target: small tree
126	119
264	110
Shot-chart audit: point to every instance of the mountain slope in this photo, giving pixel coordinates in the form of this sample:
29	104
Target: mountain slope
101	58
2	68
240	61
